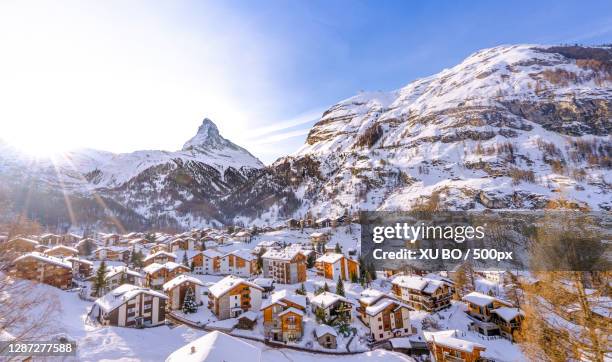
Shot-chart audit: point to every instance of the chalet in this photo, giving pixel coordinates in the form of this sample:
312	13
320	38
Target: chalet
81	268
207	262
283	314
177	289
215	347
319	240
116	276
326	336
62	251
334	266
266	245
323	222
247	320
333	306
50	239
366	298
115	253
244	236
19	245
44	269
447	346
508	320
160	257
423	293
293	224
70	239
180	244
287	266
157	274
480	306
158	247
239	262
86	246
130	306
267	284
110	239
231	296
387	317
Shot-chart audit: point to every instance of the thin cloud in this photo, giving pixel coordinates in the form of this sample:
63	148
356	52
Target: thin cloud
304	118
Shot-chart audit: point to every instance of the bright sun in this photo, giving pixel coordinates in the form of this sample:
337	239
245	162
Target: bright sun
41	147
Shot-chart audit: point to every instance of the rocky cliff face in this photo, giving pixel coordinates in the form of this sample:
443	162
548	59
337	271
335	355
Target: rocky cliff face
512	127
517	127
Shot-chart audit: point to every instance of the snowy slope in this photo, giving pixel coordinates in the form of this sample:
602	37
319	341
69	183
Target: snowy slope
519	126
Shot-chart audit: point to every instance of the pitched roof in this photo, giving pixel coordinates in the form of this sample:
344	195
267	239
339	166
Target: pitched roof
118	296
46	258
280	296
160	253
449	339
327	299
60	247
330	258
323	329
479	299
291	310
507	313
226	284
214	347
285	254
178	280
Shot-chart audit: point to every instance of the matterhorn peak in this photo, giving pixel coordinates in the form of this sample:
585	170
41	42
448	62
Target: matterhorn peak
207	136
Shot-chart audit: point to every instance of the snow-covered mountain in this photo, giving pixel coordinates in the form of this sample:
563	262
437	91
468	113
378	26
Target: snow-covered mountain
153	187
513	127
520	126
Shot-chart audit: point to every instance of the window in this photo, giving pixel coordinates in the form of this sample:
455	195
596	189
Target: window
380	335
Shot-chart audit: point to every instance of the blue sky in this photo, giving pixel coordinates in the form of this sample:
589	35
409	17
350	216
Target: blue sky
133	75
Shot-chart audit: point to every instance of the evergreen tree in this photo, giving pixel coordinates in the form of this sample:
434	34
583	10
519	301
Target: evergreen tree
122	278
320	316
367	278
310	261
340	287
338	249
372	271
325	287
136	260
192	266
203	245
354	278
185	260
99	283
189	304
302	290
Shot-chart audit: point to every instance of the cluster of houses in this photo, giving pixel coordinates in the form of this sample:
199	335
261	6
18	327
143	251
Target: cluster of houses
144	295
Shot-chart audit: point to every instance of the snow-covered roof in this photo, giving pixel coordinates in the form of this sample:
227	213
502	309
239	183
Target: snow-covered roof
29	241
368	296
284	254
250	315
153	268
243	254
267	243
384	302
160	253
46	258
112	271
122	294
330	258
479	299
216	347
209	253
226	284
291	310
264	282
77	260
323	329
327	299
400	342
448	339
317	235
180	280
62	247
279	296
426	284
507	313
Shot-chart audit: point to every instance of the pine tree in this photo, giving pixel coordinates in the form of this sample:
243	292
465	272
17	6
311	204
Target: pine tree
192	266
310	261
136	260
189	304
302	290
185	260
338	249
325	287
100	281
340	287
354	278
320	316
203	245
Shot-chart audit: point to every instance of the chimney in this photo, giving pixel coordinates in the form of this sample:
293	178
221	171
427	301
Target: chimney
193	350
